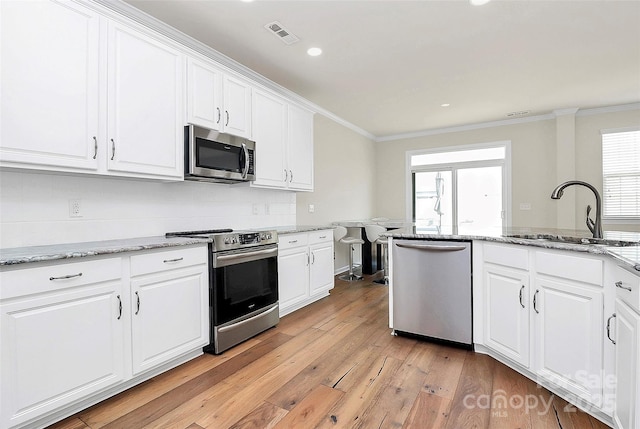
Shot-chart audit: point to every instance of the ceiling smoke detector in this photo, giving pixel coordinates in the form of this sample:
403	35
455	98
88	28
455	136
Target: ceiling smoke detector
518	114
282	33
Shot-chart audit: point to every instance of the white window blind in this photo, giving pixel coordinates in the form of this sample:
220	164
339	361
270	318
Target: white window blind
621	174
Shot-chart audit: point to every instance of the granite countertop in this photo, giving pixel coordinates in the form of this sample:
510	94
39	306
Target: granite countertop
293	229
388	223
623	246
21	255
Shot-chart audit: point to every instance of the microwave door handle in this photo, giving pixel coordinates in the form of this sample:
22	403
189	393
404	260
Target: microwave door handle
245	152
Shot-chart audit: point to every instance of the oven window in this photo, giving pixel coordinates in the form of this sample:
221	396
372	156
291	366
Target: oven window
243	288
217	156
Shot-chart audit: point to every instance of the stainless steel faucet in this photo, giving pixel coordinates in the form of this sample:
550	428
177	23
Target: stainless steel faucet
594	226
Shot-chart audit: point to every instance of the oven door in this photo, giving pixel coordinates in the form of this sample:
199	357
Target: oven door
243	281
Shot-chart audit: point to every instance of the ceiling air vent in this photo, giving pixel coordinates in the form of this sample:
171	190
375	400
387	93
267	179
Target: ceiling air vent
518	114
282	33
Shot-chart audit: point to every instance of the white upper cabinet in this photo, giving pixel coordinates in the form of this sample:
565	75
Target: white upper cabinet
270	133
300	148
50	84
284	143
216	100
145	129
82	93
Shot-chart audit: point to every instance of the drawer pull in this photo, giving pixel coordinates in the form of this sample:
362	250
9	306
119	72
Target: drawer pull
168	261
70	276
138	302
619	285
521	290
322	236
609	328
119	307
293	241
535	301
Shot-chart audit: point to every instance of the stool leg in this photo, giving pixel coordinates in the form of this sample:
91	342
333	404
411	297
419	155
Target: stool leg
385	257
351	275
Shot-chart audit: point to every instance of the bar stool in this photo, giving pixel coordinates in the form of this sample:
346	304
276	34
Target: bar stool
340	235
374	235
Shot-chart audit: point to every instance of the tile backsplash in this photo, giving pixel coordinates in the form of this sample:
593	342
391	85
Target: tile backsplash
34	208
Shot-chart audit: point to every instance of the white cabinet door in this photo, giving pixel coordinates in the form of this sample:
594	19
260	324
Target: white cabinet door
293	277
269	132
300	149
627	405
204	95
145	130
506	299
321	267
237	107
569	335
64	340
169	305
50	85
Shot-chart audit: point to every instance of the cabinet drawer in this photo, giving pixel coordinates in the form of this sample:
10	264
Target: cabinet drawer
510	256
320	236
167	260
624	280
31	279
570	267
287	241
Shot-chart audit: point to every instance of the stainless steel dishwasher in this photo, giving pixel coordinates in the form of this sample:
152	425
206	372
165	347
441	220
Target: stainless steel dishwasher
431	290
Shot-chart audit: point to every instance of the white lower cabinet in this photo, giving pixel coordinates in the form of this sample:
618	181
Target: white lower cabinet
169	299
305	268
626	413
62	335
544	314
69	329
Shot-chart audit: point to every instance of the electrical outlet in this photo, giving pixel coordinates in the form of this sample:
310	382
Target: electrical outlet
312	208
256	209
525	206
75	208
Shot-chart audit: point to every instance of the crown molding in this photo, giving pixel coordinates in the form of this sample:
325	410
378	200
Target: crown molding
124	9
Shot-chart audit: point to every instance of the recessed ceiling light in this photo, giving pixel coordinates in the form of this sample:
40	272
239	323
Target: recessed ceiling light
479	2
314	52
445	105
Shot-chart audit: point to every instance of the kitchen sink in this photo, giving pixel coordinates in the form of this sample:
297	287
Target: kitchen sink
574	240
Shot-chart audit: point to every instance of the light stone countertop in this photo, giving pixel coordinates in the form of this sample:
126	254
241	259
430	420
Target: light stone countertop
624	247
294	229
22	255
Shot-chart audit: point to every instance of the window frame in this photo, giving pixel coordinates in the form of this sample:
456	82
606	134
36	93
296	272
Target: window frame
619	220
506	179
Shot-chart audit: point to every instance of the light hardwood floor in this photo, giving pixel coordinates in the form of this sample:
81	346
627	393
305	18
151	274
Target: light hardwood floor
334	364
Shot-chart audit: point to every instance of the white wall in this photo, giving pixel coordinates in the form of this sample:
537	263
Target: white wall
34	208
344	180
534	166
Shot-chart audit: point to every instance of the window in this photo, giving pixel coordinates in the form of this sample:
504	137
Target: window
621	175
459	190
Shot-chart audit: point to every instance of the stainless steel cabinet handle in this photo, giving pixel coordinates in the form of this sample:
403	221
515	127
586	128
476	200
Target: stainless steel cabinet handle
521	290
226	112
431	247
619	285
218	109
291	174
535	301
70	276
308	259
286	176
95	147
138	303
609	328
168	261
293	241
313	258
113	149
322	236
119	307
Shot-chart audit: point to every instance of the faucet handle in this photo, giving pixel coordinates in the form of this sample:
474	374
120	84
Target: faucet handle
590	223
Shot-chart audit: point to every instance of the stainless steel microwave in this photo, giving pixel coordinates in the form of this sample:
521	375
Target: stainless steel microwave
213	156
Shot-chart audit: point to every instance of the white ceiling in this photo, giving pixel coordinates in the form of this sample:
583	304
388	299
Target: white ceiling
387	66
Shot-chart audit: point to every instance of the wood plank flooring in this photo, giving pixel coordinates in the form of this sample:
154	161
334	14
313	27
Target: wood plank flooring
334	364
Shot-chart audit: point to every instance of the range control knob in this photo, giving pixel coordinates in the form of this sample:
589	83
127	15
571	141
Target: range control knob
227	240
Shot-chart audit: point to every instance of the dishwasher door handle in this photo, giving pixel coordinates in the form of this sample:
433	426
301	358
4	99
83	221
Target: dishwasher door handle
435	247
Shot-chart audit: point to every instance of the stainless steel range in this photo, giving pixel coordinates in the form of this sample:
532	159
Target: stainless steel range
243	284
